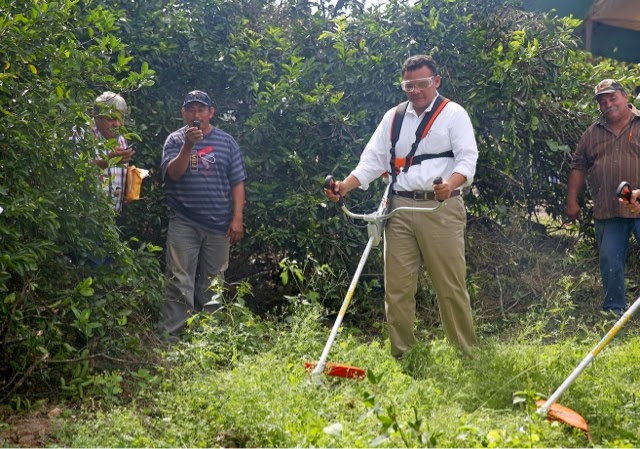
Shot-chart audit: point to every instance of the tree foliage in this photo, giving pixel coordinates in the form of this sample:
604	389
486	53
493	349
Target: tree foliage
302	86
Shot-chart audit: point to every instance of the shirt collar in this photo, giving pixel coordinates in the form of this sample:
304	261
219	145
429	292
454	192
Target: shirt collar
410	107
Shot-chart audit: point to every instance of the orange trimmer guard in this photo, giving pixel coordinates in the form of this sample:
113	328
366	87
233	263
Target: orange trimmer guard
564	414
339	370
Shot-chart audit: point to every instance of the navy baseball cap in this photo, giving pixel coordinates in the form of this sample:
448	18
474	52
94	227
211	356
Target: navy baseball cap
199	97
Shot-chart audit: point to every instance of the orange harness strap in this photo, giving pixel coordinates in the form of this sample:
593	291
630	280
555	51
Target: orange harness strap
400	164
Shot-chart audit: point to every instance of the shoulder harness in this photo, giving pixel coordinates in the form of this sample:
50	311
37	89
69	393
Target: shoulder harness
403	164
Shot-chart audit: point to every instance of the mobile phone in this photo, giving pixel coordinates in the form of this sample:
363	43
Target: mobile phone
196	124
131	147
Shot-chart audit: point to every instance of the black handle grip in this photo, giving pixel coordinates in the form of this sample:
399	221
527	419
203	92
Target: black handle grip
330	183
438	180
624	191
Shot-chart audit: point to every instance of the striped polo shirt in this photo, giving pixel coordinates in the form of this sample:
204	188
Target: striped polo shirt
608	160
202	195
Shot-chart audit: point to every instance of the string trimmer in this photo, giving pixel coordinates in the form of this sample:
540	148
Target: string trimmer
375	225
559	412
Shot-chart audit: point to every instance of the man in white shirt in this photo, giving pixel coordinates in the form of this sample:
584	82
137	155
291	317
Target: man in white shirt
448	150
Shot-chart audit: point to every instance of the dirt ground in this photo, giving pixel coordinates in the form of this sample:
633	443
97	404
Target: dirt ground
34	429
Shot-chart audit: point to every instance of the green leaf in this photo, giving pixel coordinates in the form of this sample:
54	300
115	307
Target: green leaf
86	292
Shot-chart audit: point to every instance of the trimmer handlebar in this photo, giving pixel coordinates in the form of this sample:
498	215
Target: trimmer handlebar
330	182
380	215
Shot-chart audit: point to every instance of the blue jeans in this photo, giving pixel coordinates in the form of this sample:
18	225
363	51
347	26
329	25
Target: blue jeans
612	235
194	256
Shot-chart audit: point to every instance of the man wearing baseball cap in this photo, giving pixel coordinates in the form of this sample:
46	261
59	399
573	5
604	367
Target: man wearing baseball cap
204	176
608	153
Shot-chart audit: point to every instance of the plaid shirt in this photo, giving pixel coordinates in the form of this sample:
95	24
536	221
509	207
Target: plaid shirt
609	159
113	179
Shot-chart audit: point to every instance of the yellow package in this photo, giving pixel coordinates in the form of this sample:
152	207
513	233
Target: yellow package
135	176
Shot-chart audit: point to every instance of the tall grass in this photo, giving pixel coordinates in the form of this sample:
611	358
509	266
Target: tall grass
238	380
260	396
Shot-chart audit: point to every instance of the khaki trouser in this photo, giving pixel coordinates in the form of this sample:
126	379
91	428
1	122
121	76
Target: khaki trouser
437	238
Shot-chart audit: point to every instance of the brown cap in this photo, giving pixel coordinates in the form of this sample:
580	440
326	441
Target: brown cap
608	86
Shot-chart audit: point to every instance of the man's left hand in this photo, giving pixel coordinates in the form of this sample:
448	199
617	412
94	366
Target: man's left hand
124	153
442	190
235	231
634	205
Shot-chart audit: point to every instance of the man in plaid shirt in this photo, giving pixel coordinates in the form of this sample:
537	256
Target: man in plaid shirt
109	110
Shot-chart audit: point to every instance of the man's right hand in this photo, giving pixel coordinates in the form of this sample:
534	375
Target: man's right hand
333	193
340	188
193	135
572	211
125	154
575	183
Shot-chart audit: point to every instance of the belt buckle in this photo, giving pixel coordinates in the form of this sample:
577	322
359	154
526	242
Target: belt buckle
420	196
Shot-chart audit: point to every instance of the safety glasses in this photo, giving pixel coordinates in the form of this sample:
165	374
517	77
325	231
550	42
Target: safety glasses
420	83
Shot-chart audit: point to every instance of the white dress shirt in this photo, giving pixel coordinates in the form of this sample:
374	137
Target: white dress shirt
452	130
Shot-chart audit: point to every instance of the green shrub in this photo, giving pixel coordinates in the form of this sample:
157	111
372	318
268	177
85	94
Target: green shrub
58	316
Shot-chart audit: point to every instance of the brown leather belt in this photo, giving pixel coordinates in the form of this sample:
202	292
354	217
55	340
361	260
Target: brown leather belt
422	196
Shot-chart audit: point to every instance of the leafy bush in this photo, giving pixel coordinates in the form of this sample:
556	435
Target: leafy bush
56	313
